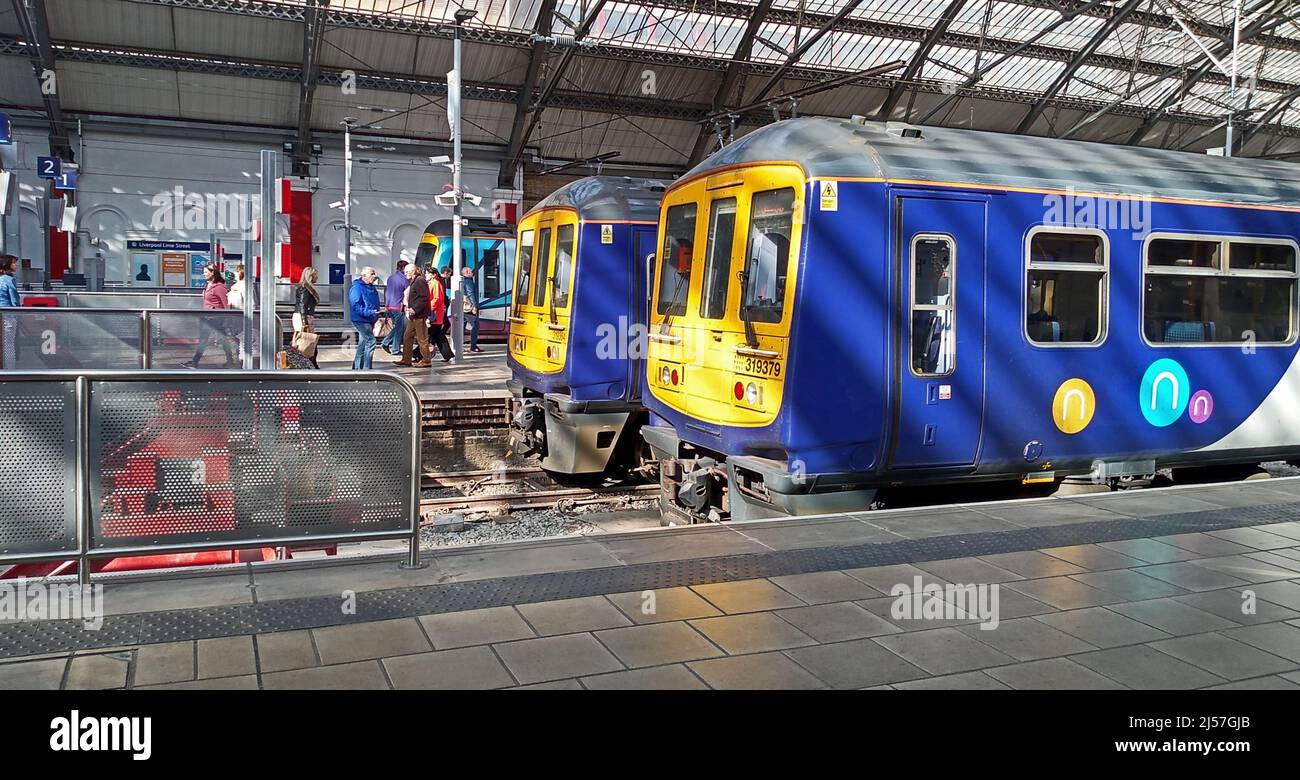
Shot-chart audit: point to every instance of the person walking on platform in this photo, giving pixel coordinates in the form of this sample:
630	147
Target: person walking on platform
417	318
470	290
236	298
394	293
363	303
9	298
214	298
446	302
438	314
305	300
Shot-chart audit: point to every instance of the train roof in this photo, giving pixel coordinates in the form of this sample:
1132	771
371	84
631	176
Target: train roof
851	148
474	226
608	199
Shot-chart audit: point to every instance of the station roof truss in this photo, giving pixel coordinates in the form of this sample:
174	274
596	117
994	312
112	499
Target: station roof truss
663	83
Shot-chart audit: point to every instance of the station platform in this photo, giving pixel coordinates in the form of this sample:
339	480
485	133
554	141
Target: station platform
478	375
1137	589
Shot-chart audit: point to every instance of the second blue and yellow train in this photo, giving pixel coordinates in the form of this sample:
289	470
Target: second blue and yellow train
839	306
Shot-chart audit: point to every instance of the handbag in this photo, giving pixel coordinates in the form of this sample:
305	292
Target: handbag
305	342
382	327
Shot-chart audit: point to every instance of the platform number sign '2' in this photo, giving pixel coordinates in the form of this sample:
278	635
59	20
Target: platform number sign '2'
49	167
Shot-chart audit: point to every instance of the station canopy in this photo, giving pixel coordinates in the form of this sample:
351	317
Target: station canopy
654	86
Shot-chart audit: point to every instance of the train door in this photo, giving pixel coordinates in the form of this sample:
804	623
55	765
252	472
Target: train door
643	246
939	331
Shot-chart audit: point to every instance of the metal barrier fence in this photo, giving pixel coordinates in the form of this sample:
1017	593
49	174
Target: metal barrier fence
134	463
120	300
40	339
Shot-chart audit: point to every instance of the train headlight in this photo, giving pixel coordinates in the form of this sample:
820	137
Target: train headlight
665	375
752	395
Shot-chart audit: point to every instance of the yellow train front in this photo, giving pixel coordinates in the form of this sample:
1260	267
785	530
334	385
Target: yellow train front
577	322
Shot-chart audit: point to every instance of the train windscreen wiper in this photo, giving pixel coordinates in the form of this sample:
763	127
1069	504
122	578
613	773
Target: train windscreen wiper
672	302
751	338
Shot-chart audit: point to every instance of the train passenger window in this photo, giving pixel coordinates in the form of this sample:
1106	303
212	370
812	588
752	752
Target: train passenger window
1065	293
525	267
767	261
563	265
1251	299
933	338
717	263
675	261
490	272
1261	257
543	266
1182	253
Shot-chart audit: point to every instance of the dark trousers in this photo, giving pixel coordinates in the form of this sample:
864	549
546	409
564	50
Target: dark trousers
209	330
438	334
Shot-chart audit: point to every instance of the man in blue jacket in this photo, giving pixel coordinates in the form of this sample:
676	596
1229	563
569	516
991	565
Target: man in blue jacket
363	303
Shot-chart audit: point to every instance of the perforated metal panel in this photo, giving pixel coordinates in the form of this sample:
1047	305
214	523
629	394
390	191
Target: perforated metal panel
222	461
44	339
38	445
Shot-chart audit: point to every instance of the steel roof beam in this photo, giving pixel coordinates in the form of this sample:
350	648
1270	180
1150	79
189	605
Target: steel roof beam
919	58
728	82
536	59
313	30
1264	23
35	26
1063	78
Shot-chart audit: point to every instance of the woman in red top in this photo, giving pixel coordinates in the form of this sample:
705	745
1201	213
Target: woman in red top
214	297
438	314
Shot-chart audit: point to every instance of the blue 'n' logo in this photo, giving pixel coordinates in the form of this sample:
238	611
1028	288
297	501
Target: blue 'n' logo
1164	392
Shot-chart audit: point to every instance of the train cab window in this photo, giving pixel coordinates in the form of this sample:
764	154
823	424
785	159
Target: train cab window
426	253
1205	301
675	261
489	271
543	266
717	263
525	267
563	265
933	338
767	261
1065	290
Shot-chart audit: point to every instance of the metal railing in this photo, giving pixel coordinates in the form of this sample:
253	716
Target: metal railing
123	299
132	463
39	339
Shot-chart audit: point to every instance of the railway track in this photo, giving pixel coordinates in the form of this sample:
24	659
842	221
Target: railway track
532	490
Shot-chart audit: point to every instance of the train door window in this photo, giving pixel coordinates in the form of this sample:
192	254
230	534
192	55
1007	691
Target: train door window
563	265
933	306
1066	288
675	261
717	263
524	270
767	261
1250	298
489	270
543	266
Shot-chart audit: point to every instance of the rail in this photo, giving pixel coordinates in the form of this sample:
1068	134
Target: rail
110	464
40	339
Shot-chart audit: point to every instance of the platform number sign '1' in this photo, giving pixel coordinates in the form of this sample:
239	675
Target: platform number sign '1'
49	167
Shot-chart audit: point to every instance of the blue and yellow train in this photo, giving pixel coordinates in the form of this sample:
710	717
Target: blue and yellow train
487	247
843	306
574	352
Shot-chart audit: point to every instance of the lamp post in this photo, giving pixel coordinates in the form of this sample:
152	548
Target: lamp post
348	123
453	105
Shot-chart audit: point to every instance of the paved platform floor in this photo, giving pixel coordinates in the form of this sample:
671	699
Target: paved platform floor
478	375
1141	590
